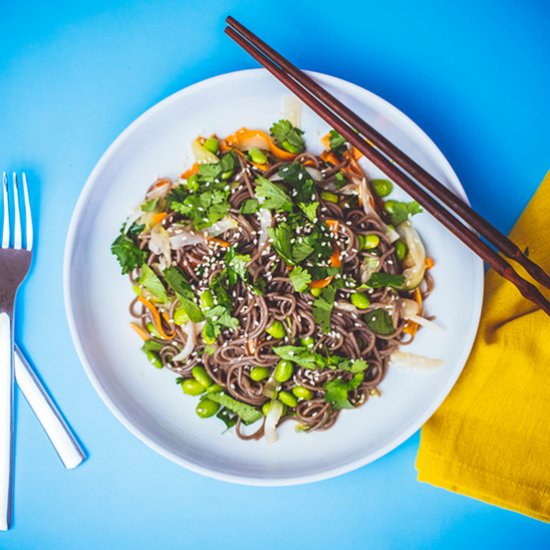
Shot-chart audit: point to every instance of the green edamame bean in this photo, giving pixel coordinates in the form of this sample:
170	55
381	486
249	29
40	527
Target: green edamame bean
152	329
309	342
315	292
359	300
371	241
302	393
180	316
382	187
329	197
206	299
212	145
154	359
400	249
288	399
259	373
214	388
191	387
283	371
276	329
201	376
257	155
206	408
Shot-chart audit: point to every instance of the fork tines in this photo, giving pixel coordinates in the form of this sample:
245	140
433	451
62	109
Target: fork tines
17	233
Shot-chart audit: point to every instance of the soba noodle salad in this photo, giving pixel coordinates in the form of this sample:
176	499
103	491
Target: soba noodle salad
276	283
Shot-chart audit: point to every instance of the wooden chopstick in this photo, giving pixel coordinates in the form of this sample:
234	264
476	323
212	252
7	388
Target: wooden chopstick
445	195
253	46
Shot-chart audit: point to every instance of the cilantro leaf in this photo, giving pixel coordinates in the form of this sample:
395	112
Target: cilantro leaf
299	278
175	279
149	206
236	265
399	212
218	318
340	180
227	417
218	170
308	359
379	321
149	279
336	391
126	250
381	279
288	136
247	413
322	307
310	210
275	198
281	236
250	206
299	179
337	142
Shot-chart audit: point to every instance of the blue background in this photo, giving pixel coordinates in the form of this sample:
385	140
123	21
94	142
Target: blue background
73	75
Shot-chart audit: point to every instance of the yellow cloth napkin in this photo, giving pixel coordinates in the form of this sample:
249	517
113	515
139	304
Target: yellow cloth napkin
490	439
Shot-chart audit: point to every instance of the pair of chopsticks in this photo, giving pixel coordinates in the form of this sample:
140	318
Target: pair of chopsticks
400	168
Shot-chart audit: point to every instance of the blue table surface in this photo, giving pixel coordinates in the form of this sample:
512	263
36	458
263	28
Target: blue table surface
73	75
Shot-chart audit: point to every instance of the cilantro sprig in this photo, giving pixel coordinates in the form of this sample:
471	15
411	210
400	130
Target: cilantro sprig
288	136
129	255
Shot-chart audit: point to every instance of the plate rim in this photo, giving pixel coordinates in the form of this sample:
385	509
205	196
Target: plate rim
328	473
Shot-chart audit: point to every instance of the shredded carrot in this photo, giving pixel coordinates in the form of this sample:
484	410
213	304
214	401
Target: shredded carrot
355	153
142	333
221	242
335	261
250	346
321	283
193	170
157	217
159	182
333	225
329	156
418	298
308	163
262	167
156	318
429	263
325	140
240	137
335	258
410	328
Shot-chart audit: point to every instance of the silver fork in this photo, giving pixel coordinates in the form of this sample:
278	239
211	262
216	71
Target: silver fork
14	265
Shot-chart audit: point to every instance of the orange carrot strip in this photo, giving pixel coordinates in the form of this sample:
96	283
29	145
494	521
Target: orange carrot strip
429	263
157	217
418	298
325	140
333	225
410	328
335	258
240	137
193	170
221	242
156	318
141	332
321	283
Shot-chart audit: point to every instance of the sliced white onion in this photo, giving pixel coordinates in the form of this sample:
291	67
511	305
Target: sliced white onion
368	267
410	311
293	110
201	154
159	243
222	226
134	216
257	141
181	238
189	330
314	173
271	420
160	189
345	306
415	362
270	388
391	233
266	221
415	260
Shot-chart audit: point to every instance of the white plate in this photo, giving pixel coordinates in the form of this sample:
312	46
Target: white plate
146	400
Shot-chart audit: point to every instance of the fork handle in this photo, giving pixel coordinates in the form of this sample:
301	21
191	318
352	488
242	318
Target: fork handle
6	417
48	414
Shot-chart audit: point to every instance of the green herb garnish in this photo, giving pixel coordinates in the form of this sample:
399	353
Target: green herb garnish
247	413
379	321
337	142
336	391
149	280
381	279
272	196
399	212
322	307
129	255
288	136
299	278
